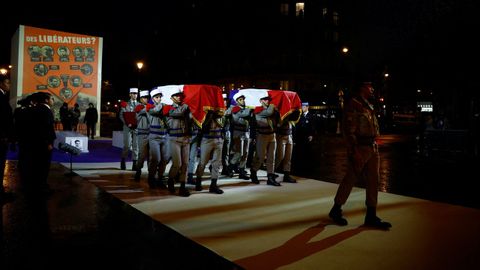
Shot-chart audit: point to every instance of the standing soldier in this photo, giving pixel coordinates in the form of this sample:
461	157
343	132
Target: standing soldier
179	138
143	128
211	146
360	128
227	139
157	140
241	116
265	140
194	147
283	158
128	118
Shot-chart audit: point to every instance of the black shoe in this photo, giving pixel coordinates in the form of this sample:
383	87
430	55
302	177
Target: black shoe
254	178
151	183
288	179
272	182
243	175
183	192
134	165
122	164
336	216
215	189
161	185
171	185
138	173
190	179
376	222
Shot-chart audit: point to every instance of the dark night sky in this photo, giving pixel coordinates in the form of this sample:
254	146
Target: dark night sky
428	44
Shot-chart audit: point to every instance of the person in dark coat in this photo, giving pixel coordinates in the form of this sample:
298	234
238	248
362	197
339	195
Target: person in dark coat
6	133
40	146
75	112
304	133
91	119
65	117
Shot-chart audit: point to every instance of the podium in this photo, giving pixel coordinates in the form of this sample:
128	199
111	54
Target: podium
76	139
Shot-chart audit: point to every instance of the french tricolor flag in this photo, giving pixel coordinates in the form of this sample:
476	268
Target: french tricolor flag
200	98
285	101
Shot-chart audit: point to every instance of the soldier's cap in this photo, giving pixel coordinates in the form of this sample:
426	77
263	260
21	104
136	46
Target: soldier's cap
179	93
238	95
144	93
266	97
305	104
155	92
133	90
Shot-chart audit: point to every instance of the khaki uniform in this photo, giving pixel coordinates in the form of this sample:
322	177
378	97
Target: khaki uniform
158	144
143	126
265	139
211	146
283	158
129	135
179	123
360	130
240	135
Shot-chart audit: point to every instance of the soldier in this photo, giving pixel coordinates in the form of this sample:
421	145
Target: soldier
241	116
283	158
194	148
157	140
179	137
265	140
212	142
129	129
227	140
360	128
143	128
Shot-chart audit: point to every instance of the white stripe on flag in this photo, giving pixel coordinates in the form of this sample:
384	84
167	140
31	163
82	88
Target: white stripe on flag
253	95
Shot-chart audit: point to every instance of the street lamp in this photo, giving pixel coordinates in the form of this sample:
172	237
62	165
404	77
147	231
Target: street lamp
139	66
3	71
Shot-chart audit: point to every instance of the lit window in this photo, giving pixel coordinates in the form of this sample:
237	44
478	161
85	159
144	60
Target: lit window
299	9
335	18
284	9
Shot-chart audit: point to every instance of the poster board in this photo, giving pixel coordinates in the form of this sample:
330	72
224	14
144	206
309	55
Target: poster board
66	65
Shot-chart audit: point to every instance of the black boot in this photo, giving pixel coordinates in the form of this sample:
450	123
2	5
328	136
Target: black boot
198	184
253	177
371	220
271	180
151	182
134	165
243	175
183	191
138	174
288	179
214	188
171	185
190	179
225	171
160	183
336	215
231	170
122	164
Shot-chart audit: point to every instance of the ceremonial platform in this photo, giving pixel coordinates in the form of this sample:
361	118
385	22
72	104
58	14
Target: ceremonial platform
101	216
